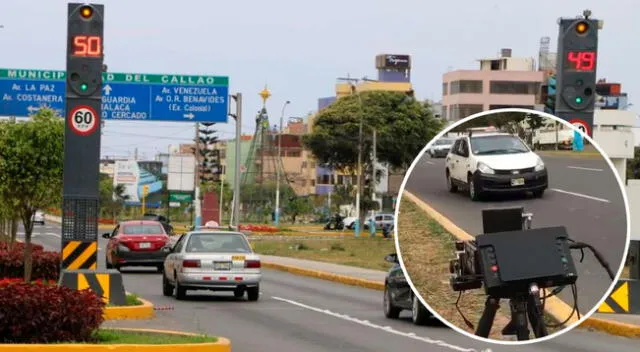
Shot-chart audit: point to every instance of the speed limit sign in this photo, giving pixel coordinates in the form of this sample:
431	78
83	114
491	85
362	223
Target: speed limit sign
83	120
581	126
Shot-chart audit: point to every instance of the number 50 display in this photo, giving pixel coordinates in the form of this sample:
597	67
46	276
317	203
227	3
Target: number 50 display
87	46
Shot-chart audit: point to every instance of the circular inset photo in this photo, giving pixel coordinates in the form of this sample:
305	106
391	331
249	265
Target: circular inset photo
512	226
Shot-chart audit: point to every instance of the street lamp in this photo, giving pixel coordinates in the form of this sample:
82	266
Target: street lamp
277	210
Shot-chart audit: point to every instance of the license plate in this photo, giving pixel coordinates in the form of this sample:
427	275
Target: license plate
221	265
238	258
517	182
145	245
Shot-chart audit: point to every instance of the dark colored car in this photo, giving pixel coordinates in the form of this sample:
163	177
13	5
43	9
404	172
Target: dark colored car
136	243
398	295
168	228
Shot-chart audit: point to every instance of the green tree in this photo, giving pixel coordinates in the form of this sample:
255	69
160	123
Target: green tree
334	140
31	159
296	206
112	198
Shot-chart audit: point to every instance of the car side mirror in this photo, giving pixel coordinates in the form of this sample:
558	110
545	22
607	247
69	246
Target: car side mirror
392	258
167	250
106	235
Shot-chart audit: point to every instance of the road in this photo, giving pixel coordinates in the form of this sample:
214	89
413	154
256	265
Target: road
304	314
583	195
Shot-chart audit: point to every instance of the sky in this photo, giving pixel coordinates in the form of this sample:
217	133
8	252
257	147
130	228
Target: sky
299	48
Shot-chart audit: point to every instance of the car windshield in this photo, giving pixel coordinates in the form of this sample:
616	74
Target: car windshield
444	142
142	230
217	243
492	145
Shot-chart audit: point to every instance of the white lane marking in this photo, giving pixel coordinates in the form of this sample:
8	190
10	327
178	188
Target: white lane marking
581	195
431	163
584	168
53	234
379	327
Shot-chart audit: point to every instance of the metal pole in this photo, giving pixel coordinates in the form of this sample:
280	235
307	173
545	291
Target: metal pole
221	195
279	159
372	225
236	182
359	181
196	196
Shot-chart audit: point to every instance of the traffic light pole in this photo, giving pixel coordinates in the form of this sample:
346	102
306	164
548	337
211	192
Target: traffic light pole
236	177
81	166
576	71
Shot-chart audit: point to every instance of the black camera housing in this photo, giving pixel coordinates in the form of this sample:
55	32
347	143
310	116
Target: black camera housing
509	262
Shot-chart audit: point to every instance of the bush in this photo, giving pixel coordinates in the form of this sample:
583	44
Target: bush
46	265
4	246
42	312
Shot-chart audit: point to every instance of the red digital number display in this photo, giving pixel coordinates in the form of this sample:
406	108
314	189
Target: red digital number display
580	60
87	45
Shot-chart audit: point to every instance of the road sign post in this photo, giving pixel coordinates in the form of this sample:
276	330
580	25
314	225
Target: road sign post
145	193
576	70
81	196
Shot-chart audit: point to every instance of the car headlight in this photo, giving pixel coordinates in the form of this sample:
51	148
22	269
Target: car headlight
483	168
539	165
122	248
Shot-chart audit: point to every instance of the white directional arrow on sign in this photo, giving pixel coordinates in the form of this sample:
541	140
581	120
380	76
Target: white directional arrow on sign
32	108
189	116
107	89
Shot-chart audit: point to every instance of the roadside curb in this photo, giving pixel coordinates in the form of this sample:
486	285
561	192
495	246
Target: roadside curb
342	279
144	311
553	305
222	345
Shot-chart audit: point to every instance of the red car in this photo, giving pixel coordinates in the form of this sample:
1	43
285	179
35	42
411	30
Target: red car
136	243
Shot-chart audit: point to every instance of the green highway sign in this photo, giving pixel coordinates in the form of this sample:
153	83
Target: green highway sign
180	197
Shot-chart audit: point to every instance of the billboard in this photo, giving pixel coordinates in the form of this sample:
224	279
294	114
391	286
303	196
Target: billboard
181	172
135	175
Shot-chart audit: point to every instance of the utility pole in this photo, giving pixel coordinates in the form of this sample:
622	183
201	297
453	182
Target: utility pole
221	195
235	215
359	186
373	184
196	195
277	210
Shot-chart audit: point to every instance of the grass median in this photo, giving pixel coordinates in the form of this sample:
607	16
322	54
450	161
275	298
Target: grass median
427	249
107	336
363	252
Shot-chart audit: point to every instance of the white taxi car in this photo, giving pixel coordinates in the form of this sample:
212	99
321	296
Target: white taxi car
494	162
214	260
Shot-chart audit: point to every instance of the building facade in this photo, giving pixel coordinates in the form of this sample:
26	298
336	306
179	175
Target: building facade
504	82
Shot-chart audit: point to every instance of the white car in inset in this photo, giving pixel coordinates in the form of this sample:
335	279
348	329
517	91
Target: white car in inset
38	218
494	163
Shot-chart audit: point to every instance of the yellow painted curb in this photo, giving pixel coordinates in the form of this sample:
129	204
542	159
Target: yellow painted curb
222	345
553	305
144	311
343	279
612	327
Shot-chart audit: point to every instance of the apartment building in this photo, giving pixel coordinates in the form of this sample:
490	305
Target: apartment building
501	82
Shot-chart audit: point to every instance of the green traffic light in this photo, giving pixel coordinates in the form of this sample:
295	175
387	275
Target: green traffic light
578	100
83	87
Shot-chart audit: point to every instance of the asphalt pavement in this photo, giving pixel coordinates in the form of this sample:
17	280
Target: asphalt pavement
298	313
583	196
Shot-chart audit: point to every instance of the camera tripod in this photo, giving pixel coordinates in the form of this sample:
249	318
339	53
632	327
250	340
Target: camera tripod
525	306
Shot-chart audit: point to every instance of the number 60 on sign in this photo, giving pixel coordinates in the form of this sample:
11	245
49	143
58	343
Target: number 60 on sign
83	120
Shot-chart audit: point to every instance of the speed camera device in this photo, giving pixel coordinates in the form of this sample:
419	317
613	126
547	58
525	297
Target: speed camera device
512	261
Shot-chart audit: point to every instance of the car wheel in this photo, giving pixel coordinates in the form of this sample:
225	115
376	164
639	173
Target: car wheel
181	291
474	195
390	311
452	187
167	288
160	268
107	264
253	293
419	314
238	293
538	194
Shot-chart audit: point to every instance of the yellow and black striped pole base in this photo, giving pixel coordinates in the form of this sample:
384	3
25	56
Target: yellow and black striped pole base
106	284
624	299
79	255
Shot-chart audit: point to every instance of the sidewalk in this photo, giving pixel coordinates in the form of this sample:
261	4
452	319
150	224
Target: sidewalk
379	276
